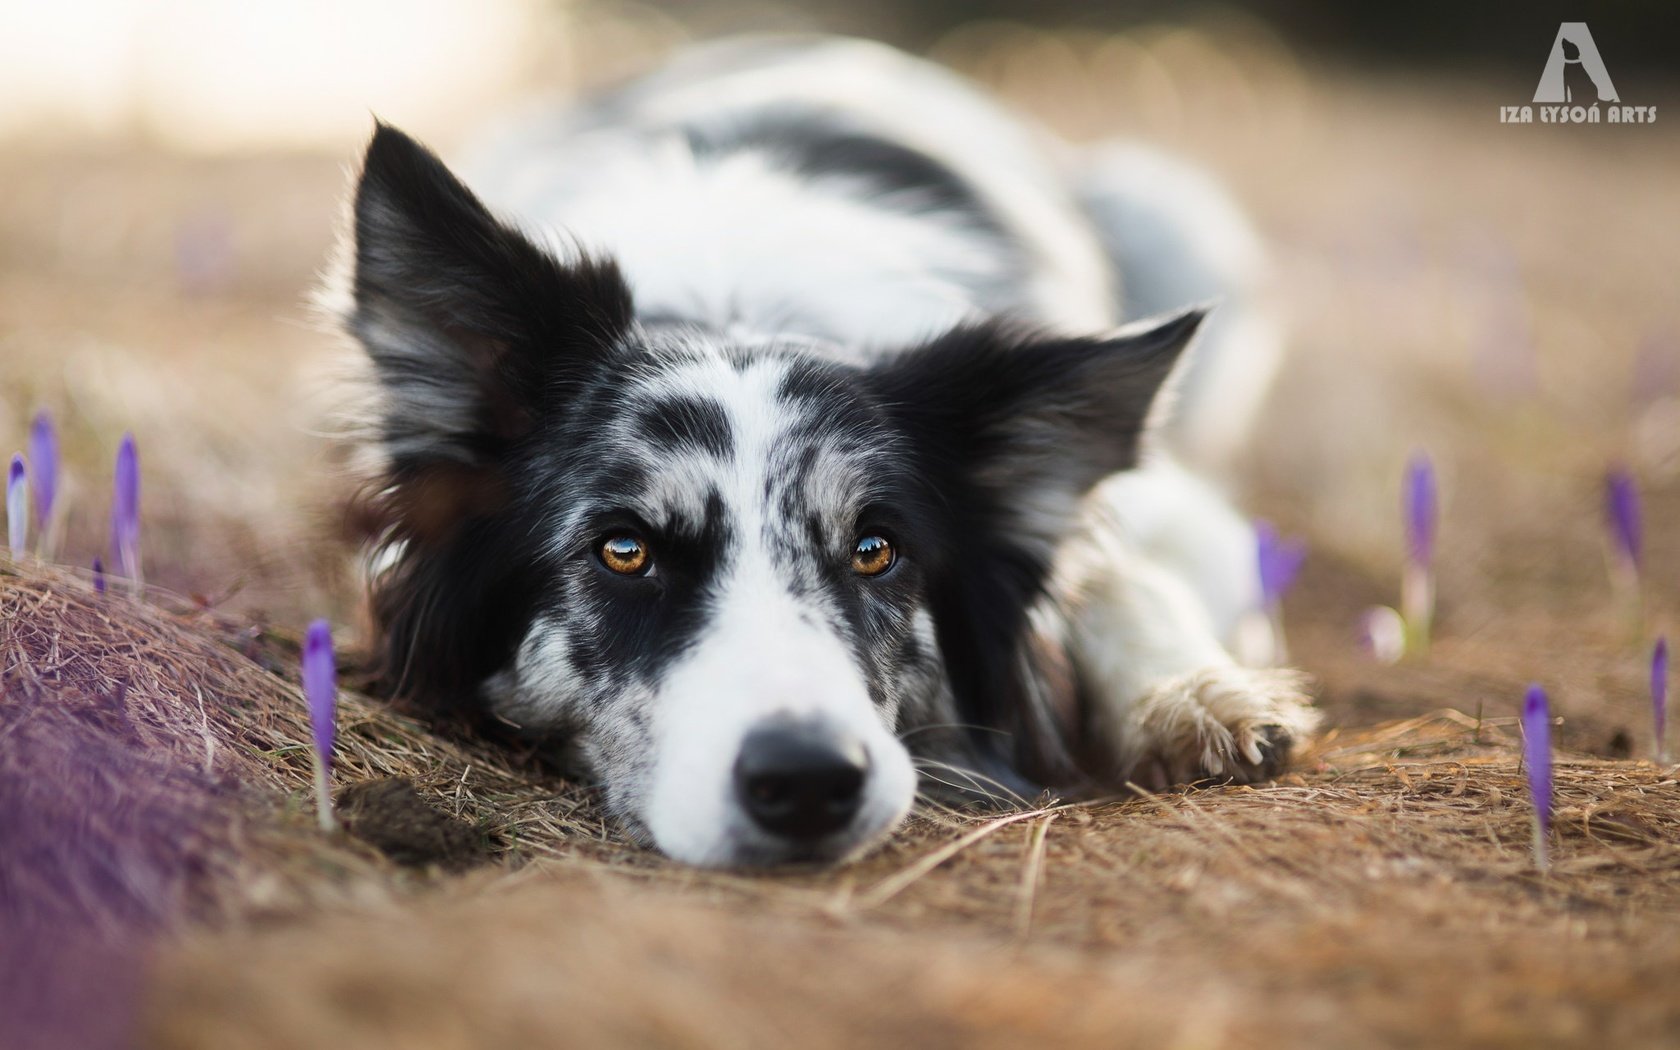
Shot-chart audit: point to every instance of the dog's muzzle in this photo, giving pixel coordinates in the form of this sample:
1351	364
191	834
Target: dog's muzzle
801	780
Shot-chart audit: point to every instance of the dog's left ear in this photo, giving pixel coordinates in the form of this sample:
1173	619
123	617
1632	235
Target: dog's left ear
1023	424
468	324
474	334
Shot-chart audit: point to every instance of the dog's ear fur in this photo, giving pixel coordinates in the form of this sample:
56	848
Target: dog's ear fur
1028	423
467	323
1011	429
473	334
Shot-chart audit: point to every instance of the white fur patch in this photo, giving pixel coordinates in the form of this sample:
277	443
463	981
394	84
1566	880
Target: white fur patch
692	240
764	656
762	652
1213	723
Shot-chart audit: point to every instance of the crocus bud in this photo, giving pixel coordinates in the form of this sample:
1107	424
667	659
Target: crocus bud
320	688
1537	756
125	511
17	506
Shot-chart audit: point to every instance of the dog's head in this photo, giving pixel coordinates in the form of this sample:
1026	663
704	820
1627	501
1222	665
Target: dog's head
731	573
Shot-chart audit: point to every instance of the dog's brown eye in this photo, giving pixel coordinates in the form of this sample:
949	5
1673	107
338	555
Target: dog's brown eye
625	555
872	556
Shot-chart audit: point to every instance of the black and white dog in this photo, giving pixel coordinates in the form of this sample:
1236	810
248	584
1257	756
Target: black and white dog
764	428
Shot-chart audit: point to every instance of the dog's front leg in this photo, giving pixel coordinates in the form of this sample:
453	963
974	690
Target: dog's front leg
1168	703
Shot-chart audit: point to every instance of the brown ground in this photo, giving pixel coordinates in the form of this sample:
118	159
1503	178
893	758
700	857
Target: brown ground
1481	291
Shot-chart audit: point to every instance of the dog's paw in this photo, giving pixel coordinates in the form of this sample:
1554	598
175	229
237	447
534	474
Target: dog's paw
1230	724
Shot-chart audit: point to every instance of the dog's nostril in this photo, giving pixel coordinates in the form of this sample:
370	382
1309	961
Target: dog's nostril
801	780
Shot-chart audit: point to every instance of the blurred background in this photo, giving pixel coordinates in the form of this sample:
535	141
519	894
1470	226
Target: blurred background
1500	296
172	172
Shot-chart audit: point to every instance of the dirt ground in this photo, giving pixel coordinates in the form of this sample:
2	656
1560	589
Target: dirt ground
1501	297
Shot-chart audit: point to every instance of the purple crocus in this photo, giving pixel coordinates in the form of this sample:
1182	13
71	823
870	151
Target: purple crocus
1659	697
1537	755
17	506
1626	535
43	459
1417	585
1280	562
125	511
1420	508
320	688
1621	507
98	575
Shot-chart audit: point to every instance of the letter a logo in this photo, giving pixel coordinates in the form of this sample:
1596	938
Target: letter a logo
1574	73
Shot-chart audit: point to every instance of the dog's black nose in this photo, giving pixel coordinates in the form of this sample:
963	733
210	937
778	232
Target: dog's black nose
801	780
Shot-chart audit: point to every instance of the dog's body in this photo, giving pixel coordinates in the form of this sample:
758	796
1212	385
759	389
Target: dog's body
829	466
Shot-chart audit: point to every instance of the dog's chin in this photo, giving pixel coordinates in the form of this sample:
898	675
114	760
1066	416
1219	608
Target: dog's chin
754	851
820	854
745	847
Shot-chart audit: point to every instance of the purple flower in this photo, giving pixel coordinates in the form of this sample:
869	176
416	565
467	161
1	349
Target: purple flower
17	506
1537	755
320	688
125	510
1280	562
1420	509
98	575
1417	583
1659	696
1621	507
43	457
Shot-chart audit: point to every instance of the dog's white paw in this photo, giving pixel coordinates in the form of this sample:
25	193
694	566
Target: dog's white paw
1228	723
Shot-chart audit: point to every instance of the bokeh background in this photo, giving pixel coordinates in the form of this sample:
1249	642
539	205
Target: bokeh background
1501	297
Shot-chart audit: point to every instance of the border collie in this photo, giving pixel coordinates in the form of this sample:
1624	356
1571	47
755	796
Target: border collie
765	429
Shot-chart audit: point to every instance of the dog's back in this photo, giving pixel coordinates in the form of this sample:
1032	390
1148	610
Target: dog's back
834	188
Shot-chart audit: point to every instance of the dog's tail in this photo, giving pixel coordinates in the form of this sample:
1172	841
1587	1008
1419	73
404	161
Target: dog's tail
1176	238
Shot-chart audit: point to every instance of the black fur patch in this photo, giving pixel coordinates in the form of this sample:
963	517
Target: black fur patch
995	421
816	142
473	332
682	424
624	630
468	323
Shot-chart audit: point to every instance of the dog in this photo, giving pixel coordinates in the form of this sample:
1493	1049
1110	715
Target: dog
765	429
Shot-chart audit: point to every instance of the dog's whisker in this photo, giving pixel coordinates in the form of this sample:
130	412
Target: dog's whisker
970	726
971	781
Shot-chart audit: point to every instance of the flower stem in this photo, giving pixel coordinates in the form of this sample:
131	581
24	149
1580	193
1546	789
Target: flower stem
1624	580
1417	607
1280	644
323	798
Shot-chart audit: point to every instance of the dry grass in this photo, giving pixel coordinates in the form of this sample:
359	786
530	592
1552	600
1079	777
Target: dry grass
1389	872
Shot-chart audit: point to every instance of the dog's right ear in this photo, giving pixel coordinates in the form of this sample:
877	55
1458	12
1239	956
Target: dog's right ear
468	324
